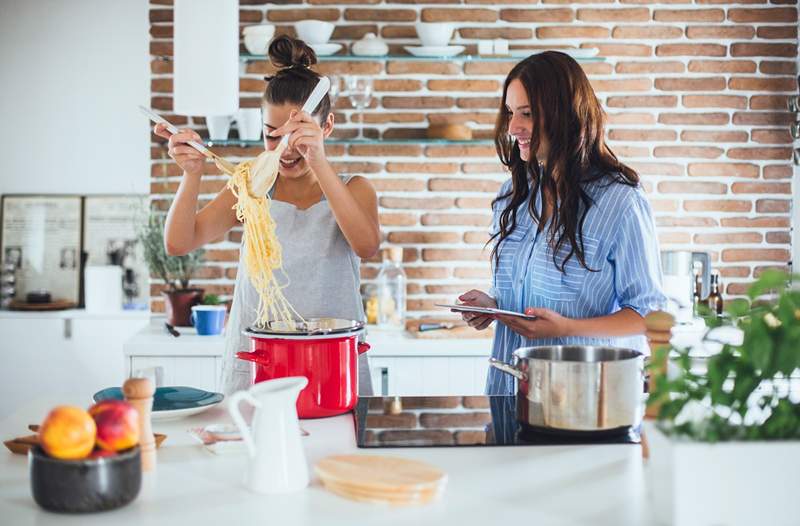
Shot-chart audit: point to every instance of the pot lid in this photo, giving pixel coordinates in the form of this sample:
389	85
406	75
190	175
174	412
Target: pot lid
309	327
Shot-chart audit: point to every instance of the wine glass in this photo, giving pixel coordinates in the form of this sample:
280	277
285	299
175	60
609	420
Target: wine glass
335	90
359	90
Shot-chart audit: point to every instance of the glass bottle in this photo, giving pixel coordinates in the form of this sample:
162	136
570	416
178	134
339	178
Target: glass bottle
715	297
392	290
697	293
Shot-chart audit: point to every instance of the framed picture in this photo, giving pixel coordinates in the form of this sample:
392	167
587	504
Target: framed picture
109	238
41	239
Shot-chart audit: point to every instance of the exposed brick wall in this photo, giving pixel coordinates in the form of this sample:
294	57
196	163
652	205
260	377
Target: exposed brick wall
696	95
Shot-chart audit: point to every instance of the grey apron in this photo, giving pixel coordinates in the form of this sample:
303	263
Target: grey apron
322	272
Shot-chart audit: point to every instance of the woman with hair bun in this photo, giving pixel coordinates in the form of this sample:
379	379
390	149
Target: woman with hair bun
324	222
574	241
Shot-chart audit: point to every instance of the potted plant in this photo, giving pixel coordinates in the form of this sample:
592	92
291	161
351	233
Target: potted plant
725	446
175	271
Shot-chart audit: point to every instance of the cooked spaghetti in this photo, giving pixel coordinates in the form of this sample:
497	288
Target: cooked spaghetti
262	250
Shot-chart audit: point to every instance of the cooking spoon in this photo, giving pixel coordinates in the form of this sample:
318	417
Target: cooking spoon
223	164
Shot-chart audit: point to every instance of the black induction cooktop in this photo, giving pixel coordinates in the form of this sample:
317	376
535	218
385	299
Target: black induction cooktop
453	421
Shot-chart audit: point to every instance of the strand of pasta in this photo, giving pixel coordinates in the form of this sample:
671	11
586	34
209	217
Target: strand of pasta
262	251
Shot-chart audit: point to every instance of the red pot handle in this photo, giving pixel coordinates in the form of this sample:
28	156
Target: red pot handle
363	347
252	357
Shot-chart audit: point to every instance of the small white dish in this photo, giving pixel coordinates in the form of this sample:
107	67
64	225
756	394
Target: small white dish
588	52
435	51
434	34
314	32
325	49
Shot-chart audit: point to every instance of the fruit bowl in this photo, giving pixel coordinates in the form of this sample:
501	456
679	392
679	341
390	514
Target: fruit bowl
85	485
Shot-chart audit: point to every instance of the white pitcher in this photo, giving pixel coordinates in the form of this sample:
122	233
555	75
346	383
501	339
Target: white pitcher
277	461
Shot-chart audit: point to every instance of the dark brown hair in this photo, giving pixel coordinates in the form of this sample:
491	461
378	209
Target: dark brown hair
295	80
566	111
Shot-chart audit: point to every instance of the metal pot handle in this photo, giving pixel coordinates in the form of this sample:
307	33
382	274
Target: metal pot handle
509	369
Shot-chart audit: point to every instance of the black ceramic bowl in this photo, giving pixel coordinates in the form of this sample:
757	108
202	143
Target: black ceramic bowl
79	486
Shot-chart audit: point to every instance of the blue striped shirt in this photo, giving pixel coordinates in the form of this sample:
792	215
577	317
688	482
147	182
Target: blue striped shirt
619	241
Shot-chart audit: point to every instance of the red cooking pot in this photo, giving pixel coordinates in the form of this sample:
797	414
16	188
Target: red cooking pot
324	350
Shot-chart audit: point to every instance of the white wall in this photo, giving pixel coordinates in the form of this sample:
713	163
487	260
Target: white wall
72	73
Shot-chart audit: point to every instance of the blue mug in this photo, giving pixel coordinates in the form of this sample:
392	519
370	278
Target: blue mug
209	319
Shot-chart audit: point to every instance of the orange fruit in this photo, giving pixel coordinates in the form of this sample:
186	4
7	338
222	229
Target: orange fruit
68	433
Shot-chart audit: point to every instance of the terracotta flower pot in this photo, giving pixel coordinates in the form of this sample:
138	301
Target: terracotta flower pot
178	305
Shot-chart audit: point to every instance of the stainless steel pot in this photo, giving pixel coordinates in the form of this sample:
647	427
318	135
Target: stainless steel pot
577	388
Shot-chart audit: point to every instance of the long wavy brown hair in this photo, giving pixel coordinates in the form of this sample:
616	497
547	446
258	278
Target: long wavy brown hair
566	111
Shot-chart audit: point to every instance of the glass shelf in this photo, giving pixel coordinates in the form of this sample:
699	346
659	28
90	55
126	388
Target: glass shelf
421	141
247	57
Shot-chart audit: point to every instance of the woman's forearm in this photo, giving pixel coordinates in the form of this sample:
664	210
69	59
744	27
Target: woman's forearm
179	228
625	322
358	226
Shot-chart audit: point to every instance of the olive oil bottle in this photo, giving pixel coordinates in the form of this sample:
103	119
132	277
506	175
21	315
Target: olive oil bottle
714	301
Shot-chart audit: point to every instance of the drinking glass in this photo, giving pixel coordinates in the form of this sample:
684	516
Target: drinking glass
359	90
335	90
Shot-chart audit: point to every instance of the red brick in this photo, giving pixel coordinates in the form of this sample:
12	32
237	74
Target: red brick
695	152
400	31
413	67
458	15
688	15
777	67
779	238
398	219
717	206
723	170
537	15
773	206
460	151
453	254
476	237
397	185
714	101
777	171
417	203
424	237
483	220
509	33
463	185
771	136
628	152
650	67
626	134
720	32
488	68
722	66
161	49
483	168
395	167
734	272
685	221
572	32
620	50
743	49
474	202
161	15
760	269
761	188
643	101
427	272
755	254
777	32
762	84
728	238
395	102
380	15
755	222
447	420
353	31
249	16
630	118
630	14
713	136
620	85
296	14
760	153
763	118
690	50
674	238
472	273
674	170
459	288
701	119
691	84
463	85
681	187
377	150
768	102
772	14
647	32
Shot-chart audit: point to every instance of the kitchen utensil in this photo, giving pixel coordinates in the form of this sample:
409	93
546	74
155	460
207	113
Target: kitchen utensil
223	164
578	387
172	330
434	34
139	393
265	167
277	462
324	350
485	310
373	478
87	485
171	403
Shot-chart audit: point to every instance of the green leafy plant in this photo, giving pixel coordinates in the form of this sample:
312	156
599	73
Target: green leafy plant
211	299
175	271
743	394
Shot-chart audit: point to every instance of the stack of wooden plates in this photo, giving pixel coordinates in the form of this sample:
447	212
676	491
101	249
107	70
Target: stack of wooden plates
391	480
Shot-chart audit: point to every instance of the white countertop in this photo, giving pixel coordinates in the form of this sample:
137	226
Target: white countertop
76	314
537	485
154	340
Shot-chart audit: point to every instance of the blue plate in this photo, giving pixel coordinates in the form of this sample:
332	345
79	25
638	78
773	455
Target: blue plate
170	402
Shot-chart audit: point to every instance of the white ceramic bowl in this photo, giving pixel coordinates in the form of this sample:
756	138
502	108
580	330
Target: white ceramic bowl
256	44
434	33
314	31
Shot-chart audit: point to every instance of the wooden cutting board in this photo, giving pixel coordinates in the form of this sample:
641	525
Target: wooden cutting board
379	474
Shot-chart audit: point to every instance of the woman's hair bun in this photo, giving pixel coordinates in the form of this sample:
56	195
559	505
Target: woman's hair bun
288	52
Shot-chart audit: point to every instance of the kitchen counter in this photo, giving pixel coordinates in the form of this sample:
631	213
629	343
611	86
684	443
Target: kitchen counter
543	485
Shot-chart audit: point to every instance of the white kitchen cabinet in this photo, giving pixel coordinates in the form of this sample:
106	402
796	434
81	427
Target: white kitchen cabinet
57	352
433	375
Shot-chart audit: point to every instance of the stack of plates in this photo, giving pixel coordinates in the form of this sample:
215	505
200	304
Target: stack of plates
391	480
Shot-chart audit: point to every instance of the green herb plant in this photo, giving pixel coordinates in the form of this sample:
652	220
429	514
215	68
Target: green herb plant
211	299
175	271
743	393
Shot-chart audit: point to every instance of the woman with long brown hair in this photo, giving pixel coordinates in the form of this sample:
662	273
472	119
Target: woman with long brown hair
573	236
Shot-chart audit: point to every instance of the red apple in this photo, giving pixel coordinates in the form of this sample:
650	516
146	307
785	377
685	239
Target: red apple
117	424
101	453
